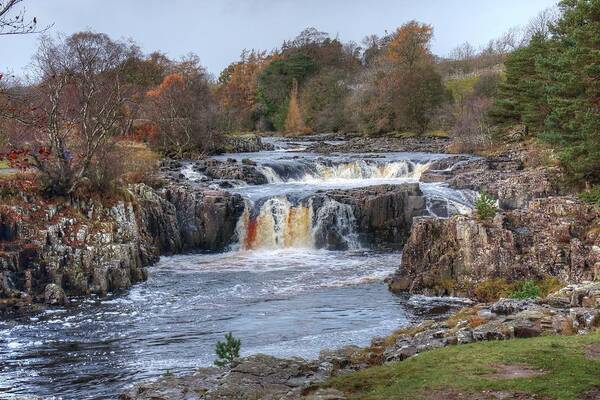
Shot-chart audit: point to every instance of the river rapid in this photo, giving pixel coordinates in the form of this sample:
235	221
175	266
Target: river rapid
276	289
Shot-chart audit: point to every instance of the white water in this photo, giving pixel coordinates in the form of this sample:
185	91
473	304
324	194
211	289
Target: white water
274	290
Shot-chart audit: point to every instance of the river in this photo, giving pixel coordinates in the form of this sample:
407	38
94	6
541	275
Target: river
275	289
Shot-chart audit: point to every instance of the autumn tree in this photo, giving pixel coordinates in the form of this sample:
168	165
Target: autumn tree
183	109
294	122
322	67
236	92
402	90
73	112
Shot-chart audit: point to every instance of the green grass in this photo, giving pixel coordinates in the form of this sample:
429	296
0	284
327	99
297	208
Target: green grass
591	196
568	373
3	164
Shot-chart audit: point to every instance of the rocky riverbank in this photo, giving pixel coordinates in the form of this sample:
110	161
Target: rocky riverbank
536	234
572	310
54	249
382	145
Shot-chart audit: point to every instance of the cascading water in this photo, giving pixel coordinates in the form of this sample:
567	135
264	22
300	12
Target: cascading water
319	171
280	276
278	224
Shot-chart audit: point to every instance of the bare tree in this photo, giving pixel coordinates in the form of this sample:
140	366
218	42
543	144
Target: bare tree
14	22
540	24
78	106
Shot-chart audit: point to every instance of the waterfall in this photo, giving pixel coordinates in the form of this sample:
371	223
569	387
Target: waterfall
277	223
303	172
336	222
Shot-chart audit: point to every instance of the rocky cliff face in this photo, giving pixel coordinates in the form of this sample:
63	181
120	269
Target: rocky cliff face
555	236
383	214
47	250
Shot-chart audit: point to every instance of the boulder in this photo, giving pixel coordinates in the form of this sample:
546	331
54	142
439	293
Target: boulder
553	236
54	295
234	171
246	143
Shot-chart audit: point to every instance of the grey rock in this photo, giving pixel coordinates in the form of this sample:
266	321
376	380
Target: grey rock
54	295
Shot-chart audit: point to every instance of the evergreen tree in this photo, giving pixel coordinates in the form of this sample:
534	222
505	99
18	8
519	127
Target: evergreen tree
553	87
228	350
522	97
573	68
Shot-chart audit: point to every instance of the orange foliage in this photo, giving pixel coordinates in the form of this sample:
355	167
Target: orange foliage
168	82
410	44
144	132
237	90
294	122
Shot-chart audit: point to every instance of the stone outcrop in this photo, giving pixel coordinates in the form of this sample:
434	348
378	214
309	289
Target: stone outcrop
572	310
504	177
47	250
555	236
255	377
231	170
246	143
383	214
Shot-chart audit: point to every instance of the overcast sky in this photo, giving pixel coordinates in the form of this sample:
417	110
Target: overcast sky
218	30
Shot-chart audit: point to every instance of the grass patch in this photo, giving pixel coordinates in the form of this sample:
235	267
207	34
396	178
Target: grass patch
4	164
493	289
592	196
468	368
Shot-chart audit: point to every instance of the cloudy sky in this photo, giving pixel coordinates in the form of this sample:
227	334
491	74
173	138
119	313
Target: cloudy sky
218	30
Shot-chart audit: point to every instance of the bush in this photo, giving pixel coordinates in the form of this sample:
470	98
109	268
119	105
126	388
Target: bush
487	85
491	290
228	350
471	131
485	206
591	196
123	163
526	290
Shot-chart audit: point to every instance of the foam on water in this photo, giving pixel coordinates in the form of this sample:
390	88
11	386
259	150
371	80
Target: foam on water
274	290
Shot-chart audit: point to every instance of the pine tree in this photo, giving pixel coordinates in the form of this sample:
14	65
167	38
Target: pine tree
522	98
573	68
228	350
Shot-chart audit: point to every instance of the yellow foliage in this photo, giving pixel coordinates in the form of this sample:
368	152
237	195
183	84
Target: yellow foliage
294	122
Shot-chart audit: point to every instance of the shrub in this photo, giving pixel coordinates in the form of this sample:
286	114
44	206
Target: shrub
485	206
549	285
591	196
228	350
471	131
526	290
487	85
491	290
123	163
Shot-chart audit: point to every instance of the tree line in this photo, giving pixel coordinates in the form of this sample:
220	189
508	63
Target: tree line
92	98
